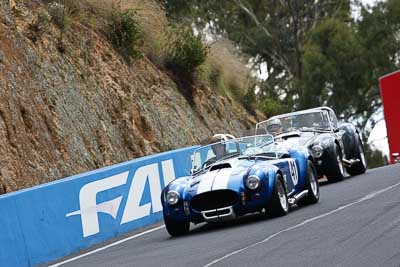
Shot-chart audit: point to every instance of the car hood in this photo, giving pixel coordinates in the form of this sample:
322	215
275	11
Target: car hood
226	174
289	140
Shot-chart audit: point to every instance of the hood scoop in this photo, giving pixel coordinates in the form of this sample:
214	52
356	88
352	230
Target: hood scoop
220	166
194	183
288	135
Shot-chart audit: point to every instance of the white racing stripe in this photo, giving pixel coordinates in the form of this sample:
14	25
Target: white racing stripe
108	246
206	183
365	198
221	180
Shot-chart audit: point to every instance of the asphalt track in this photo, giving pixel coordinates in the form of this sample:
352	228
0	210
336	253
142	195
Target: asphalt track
356	223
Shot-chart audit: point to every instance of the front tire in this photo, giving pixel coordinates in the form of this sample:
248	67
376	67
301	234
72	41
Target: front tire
360	167
336	171
278	204
176	228
311	185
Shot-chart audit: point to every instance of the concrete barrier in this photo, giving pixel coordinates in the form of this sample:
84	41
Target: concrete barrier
53	220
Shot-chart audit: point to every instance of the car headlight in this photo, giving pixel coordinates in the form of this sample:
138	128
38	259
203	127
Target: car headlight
317	151
253	182
172	197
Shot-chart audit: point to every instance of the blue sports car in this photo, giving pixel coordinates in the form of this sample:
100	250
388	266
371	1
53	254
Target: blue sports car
235	177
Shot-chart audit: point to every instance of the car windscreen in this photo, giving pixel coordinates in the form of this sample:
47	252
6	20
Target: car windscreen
310	121
244	146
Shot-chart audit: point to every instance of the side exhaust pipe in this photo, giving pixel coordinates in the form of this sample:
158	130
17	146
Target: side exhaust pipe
296	198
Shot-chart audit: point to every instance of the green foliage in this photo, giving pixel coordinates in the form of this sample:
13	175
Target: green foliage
39	25
249	101
269	30
212	74
63	12
375	158
215	77
226	84
57	13
333	67
125	33
177	8
315	52
393	12
43	18
272	107
184	51
343	61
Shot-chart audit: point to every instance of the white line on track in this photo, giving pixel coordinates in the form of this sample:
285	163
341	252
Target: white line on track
108	246
367	197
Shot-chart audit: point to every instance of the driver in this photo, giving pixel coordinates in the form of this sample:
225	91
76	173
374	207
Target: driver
274	127
218	148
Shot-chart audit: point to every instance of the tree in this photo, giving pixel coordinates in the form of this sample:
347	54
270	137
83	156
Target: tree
343	61
335	68
315	53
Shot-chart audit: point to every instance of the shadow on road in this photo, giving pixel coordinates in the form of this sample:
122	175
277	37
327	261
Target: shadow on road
248	219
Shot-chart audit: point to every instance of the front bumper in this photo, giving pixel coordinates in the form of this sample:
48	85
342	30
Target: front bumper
249	202
217	215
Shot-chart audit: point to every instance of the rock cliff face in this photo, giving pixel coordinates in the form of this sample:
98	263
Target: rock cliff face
63	113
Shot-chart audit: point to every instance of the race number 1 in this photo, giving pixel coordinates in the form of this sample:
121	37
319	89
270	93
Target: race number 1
293	171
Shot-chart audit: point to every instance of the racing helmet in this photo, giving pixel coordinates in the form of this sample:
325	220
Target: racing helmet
217	144
274	126
223	137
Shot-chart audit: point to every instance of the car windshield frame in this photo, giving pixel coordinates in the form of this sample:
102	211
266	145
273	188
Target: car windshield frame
262	126
260	146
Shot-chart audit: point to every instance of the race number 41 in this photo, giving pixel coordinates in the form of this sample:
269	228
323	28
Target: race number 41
293	171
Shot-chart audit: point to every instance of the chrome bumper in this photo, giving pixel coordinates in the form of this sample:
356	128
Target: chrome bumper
217	215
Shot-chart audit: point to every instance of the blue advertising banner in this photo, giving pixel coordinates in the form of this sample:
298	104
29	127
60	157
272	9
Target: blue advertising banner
53	220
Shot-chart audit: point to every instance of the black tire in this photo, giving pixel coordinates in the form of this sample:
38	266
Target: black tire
360	167
311	185
276	207
336	170
176	228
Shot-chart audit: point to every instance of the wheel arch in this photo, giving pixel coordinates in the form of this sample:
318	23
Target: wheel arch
350	140
301	155
272	174
340	148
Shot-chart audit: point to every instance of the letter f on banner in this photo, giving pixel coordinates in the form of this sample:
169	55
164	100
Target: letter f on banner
88	206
